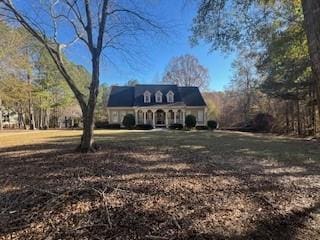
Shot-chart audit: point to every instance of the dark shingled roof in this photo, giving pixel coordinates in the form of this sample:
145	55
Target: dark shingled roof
191	96
121	97
134	96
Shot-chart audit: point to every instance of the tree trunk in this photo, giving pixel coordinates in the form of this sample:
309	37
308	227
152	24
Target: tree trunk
299	118
248	98
31	110
46	119
293	129
40	118
22	123
311	12
31	116
311	111
87	141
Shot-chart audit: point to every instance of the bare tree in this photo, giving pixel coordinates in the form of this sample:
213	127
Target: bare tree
97	25
132	82
186	71
245	81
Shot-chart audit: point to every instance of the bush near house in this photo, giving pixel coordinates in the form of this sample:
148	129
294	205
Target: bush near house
101	125
190	121
106	125
114	126
263	122
212	124
242	127
129	121
176	126
202	127
143	127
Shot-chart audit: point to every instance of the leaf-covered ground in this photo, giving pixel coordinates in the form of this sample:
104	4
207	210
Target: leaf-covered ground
159	185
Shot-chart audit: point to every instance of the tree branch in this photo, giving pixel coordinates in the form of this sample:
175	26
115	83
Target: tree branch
54	53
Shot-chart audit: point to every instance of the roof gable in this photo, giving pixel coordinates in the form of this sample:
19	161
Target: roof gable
170	92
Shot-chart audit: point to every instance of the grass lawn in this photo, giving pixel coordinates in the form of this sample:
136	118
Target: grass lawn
158	185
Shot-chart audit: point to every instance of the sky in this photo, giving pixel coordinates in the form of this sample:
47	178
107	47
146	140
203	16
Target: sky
156	53
159	53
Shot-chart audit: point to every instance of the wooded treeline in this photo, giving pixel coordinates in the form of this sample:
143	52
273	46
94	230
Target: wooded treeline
33	94
273	73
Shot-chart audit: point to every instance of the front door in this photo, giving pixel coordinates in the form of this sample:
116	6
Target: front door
160	117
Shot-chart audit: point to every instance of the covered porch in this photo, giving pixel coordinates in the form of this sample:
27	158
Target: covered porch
160	117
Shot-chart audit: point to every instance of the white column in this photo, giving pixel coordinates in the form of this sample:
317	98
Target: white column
144	117
154	118
205	116
136	114
183	117
175	116
166	117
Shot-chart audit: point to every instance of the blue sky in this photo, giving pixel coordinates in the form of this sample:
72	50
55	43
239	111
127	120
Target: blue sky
158	52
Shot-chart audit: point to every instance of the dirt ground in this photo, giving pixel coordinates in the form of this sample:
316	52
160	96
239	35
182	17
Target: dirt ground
159	185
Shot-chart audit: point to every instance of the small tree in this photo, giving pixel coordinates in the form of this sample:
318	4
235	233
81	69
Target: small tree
212	124
129	121
186	70
190	121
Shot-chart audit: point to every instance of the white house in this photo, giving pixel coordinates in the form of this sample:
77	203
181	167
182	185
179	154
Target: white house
158	105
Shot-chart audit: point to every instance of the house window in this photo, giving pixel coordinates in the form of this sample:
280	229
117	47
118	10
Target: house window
6	118
147	97
140	117
200	116
170	97
115	117
158	97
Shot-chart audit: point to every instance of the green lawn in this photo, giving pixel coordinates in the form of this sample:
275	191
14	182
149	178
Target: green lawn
158	185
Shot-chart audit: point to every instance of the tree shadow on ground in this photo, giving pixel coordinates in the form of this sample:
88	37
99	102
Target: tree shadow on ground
168	185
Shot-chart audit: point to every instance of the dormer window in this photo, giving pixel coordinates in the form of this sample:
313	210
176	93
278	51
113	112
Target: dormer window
158	97
170	97
147	97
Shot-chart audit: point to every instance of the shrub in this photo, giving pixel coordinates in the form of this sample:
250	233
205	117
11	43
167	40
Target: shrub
263	122
242	127
144	127
114	126
202	128
129	121
190	121
212	124
177	126
101	125
106	125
